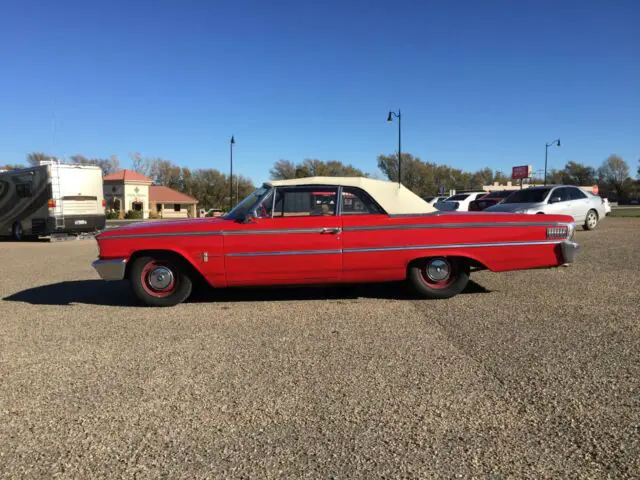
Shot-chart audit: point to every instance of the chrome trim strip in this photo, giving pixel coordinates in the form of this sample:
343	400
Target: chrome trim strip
412	226
292	252
452	245
167	234
111	269
273	231
394	249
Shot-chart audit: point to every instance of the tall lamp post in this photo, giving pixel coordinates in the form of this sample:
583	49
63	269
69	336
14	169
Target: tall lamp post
546	154
231	143
389	120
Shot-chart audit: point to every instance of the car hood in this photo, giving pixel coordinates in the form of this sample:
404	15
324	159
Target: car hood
511	207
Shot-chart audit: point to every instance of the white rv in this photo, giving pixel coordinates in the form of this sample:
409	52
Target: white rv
51	198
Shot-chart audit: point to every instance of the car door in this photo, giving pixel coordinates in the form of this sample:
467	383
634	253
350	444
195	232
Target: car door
579	204
558	202
298	239
361	219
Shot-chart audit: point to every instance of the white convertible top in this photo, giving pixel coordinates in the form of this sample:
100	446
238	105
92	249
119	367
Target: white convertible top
393	198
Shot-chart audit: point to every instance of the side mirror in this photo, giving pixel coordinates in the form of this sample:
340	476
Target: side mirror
555	200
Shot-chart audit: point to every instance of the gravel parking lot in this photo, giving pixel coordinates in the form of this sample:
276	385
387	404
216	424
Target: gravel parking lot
530	374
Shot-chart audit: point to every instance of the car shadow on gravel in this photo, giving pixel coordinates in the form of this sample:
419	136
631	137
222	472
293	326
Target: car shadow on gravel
98	292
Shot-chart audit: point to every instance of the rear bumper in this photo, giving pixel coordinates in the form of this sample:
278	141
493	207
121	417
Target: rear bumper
112	269
569	251
72	224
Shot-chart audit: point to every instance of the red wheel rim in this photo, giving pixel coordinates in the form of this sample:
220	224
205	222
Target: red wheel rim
158	279
439	273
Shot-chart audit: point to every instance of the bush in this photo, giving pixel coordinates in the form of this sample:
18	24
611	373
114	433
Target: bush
133	215
153	214
112	215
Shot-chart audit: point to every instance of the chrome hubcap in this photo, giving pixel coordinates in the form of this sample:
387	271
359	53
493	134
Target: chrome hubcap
438	270
160	278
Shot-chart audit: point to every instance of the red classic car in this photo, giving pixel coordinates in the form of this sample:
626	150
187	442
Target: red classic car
329	230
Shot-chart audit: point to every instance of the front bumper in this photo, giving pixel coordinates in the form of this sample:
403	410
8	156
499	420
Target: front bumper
569	251
112	269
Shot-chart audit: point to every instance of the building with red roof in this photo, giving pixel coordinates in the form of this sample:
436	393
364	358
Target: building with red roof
128	190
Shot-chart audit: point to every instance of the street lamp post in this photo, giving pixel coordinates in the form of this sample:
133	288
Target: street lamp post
546	154
389	120
231	143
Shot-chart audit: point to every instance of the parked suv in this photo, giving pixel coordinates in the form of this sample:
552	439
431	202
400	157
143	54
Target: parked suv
586	210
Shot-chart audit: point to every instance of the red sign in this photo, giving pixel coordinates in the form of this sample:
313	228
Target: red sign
595	189
521	171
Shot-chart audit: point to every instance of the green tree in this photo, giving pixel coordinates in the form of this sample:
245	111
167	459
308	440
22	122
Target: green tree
614	174
578	174
311	167
283	170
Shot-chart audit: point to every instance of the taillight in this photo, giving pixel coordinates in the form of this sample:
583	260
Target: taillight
554	233
51	203
104	203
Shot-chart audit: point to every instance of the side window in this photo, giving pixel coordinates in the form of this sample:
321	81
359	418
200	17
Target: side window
305	202
576	194
23	189
559	193
356	201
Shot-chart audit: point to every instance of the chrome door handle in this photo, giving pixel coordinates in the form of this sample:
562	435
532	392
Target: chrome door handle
331	230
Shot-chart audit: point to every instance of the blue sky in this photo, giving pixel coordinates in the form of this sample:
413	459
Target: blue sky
479	83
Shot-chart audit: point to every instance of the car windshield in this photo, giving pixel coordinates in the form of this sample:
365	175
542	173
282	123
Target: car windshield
530	195
247	204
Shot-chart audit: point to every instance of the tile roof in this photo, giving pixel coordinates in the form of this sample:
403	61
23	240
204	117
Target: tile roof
127	175
160	194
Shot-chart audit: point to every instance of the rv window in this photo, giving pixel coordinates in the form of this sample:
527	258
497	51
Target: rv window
23	189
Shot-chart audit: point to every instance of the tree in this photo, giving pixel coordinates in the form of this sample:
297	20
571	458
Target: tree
638	171
211	187
286	169
614	174
425	178
578	174
283	170
140	164
108	165
14	166
555	176
34	158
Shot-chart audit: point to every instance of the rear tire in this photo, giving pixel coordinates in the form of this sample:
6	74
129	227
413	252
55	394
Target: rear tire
160	280
439	277
17	232
591	220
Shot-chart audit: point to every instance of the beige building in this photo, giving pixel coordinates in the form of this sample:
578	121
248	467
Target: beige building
128	190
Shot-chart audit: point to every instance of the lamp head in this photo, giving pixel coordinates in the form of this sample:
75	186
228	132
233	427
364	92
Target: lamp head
389	119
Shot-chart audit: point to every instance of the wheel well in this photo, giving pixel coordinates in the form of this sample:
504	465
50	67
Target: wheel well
195	275
474	265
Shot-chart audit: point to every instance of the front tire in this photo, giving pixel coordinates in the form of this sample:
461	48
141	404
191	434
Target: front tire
439	277
160	281
591	220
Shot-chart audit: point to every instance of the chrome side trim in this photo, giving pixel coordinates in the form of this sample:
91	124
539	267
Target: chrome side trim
394	249
275	231
112	269
412	226
292	252
272	231
167	234
452	245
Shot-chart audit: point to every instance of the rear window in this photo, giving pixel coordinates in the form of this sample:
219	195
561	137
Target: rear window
458	197
530	195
